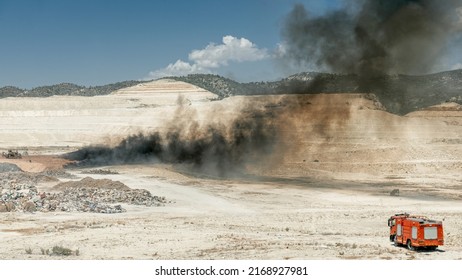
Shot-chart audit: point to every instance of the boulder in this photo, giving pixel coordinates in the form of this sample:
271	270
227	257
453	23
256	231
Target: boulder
29	206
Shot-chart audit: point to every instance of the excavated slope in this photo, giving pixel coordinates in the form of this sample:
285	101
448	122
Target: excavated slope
334	135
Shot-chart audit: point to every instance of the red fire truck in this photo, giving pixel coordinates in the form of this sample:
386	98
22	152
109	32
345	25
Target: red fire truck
415	231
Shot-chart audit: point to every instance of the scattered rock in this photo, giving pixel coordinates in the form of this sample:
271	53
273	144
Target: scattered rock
89	182
29	206
9	179
9	206
52	205
100	172
394	192
58	173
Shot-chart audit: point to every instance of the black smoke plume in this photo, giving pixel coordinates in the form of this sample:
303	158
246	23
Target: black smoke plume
215	148
372	38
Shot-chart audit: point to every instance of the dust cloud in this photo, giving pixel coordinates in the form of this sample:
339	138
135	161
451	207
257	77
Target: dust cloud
217	148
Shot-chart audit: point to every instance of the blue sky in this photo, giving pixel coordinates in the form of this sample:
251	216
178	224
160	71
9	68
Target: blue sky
95	42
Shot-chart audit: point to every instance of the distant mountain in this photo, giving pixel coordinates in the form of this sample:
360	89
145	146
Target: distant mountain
400	94
65	89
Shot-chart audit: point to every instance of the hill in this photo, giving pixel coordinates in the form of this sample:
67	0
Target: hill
400	94
65	89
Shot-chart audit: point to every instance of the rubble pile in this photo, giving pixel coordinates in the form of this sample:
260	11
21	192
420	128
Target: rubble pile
58	173
89	182
17	197
9	167
100	171
12	178
86	195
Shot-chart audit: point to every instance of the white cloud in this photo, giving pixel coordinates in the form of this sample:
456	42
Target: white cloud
213	56
232	49
179	68
456	66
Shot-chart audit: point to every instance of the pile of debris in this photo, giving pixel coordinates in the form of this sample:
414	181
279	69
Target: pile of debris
12	154
9	167
11	178
100	172
86	195
91	183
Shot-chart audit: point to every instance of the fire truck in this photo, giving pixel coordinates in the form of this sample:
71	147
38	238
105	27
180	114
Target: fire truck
415	231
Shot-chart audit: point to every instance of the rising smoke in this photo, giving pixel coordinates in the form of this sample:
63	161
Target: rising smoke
216	148
372	38
368	40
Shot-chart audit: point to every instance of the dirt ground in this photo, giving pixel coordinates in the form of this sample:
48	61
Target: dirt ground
326	197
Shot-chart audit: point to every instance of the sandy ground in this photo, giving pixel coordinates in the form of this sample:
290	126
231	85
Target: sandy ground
327	196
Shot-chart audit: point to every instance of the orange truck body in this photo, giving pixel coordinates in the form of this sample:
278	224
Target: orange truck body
415	231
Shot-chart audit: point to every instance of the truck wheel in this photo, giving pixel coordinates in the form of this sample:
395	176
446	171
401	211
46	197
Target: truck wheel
409	245
392	238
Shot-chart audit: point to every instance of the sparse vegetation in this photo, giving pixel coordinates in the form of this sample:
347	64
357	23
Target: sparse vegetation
61	251
399	94
57	250
65	89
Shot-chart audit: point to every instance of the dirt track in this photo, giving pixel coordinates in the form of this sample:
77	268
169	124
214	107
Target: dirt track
327	196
